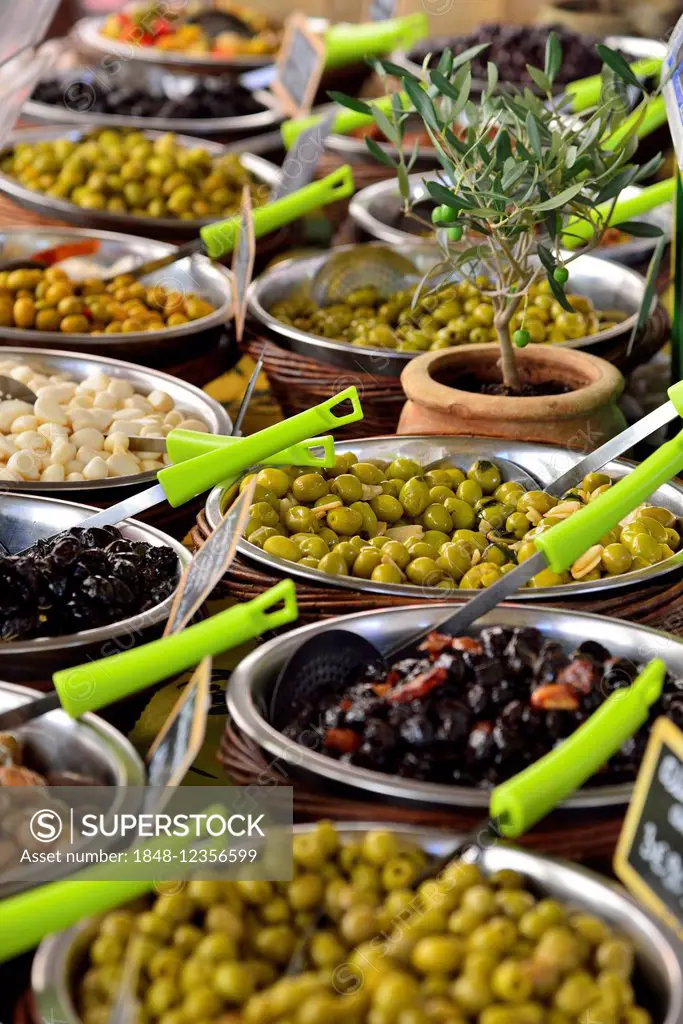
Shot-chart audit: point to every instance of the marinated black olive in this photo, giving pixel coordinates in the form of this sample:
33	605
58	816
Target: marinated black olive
80	580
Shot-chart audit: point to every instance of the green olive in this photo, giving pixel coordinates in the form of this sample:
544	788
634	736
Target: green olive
455	559
436	517
475	541
486	474
435	538
397	552
387	572
309	487
346	550
348	487
282	547
517	524
333	564
594	480
424	571
310	545
509	491
462	514
414	496
538	501
616	558
344	521
264	513
480	576
369	526
419	548
367	473
403	469
469	491
386	508
642	545
299	519
366	560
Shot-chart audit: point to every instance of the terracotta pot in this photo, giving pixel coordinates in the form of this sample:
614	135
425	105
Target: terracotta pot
583	418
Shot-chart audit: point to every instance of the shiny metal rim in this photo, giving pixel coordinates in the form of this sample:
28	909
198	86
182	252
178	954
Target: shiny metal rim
131	626
250	681
262	170
203	404
364	212
293	273
544	462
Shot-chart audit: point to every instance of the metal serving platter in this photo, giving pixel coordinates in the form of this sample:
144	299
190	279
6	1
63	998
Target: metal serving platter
87	33
659	954
632	46
160	81
252	681
609	286
87	745
187	397
542	462
197	274
378	209
262	171
24	518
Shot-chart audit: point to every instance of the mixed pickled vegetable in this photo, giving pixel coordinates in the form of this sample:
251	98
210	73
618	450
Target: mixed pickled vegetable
48	300
391	949
128	172
399	522
474	711
452	314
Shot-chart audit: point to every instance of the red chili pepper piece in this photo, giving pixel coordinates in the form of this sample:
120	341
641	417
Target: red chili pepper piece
418	687
581	673
344	741
555	697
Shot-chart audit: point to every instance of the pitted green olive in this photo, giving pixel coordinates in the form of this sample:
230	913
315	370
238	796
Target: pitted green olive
344	521
309	487
348	487
486	474
414	496
386	508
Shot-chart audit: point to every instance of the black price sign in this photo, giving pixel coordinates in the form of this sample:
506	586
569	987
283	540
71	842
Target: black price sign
299	67
182	734
649	855
243	263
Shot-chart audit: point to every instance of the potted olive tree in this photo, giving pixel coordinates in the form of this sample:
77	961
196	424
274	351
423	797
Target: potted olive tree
511	186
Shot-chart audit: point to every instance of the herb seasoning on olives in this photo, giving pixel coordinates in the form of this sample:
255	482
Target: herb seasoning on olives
82	579
475	711
399	523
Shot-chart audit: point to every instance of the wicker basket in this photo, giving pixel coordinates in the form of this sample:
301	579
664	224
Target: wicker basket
588	836
298	383
659	604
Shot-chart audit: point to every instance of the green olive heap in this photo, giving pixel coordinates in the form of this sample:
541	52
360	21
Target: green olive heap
395	522
126	172
454	314
48	300
463	947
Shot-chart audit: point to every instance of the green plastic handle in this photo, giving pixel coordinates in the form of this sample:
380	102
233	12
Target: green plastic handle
585	92
675	394
347	43
579	231
95	684
47	909
345	122
186	480
182	445
523	800
564	543
219	239
645	123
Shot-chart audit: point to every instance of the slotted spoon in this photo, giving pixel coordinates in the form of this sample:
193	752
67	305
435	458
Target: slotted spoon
372	266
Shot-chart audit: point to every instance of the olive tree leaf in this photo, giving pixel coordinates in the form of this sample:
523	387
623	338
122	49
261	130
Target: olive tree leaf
384	124
559	293
534	135
639	229
491	78
467	55
514	176
445	65
648	169
444	195
539	78
570	156
465	90
378	152
503	147
422	103
553	57
559	199
350	101
618	64
397	71
443	85
403	183
619	181
414	154
546	258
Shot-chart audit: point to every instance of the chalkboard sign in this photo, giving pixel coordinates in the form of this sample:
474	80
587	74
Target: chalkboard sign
299	67
673	89
649	855
182	734
243	263
209	565
302	159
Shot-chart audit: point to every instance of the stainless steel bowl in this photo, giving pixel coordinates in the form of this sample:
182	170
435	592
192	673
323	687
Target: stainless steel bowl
608	285
354	150
87	33
196	274
156	78
659	955
378	208
252	681
187	397
261	170
24	518
633	46
543	462
87	745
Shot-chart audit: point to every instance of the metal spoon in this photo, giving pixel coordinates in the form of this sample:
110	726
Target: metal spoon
11	388
362	267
